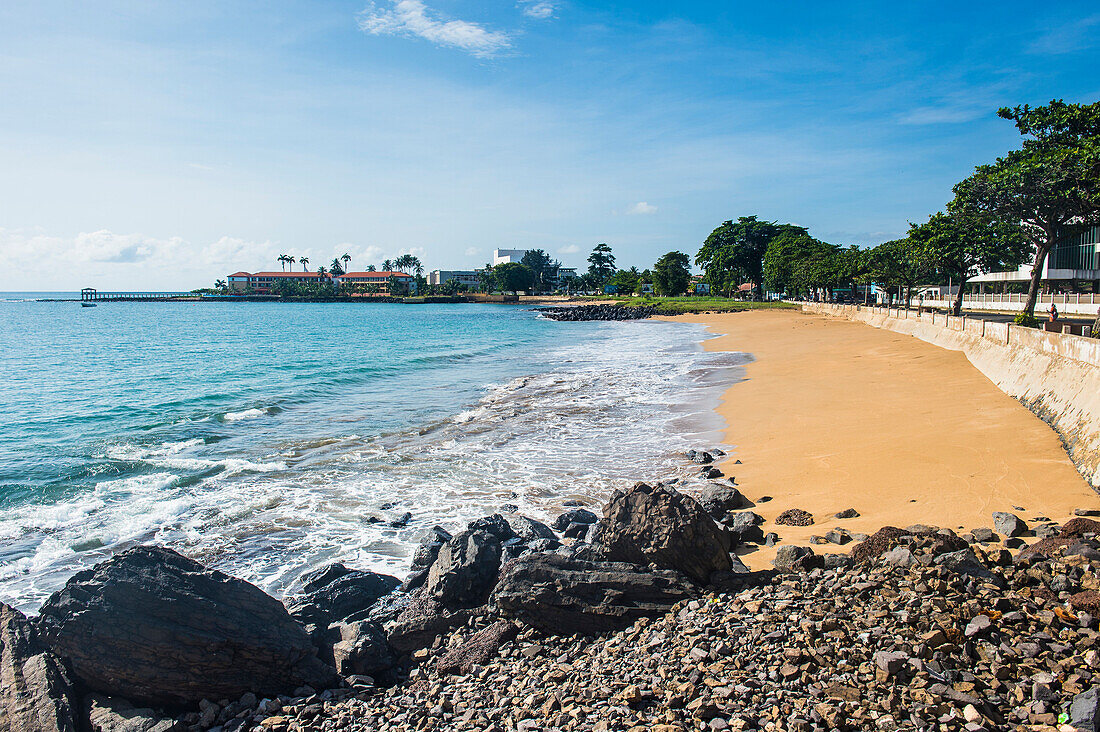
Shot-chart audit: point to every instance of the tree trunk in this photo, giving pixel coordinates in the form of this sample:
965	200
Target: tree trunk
957	306
1037	272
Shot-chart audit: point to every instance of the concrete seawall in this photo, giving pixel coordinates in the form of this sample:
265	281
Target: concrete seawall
1055	375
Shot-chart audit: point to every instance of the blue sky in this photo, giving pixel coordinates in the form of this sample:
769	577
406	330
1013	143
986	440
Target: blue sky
165	144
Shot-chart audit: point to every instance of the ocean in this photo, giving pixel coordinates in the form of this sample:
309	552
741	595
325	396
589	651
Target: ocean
265	439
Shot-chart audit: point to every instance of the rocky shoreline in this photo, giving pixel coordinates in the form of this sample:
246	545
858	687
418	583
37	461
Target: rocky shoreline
578	313
642	618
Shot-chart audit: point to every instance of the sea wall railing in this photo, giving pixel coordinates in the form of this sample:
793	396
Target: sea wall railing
1067	340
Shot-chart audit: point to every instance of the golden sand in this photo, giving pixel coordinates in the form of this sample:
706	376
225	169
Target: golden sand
835	414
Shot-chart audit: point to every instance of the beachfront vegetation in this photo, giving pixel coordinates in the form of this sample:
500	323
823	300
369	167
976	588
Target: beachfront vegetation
1006	214
672	274
601	264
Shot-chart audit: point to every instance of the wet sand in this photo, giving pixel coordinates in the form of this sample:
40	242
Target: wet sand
835	415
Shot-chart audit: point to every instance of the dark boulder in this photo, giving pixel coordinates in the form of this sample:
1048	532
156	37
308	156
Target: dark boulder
420	622
528	529
1008	524
576	516
481	648
797	559
338	595
664	527
563	595
35	690
720	500
466	569
358	648
157	628
496	525
744	527
847	514
425	555
876	545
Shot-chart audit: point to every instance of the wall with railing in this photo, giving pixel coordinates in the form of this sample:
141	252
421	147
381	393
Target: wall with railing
1054	374
1076	303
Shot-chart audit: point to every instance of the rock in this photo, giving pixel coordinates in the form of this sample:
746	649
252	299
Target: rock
425	555
664	527
358	648
110	714
702	457
388	607
847	514
719	500
35	690
420	622
978	625
710	472
337	596
162	629
1008	524
837	536
983	535
794	517
562	595
576	516
964	562
598	312
890	662
796	559
478	650
1084	710
466	569
878	544
744	527
1086	601
899	556
771	538
528	529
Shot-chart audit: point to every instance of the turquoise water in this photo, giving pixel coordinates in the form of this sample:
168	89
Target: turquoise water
267	438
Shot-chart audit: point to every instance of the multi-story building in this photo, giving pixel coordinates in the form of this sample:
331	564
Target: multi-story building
1074	261
375	282
262	283
505	256
468	277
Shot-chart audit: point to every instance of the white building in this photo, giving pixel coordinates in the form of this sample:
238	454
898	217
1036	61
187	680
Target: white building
504	256
466	277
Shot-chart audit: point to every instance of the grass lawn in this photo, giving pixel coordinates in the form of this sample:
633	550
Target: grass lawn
682	305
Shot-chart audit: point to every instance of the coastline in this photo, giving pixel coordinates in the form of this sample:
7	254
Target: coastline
835	415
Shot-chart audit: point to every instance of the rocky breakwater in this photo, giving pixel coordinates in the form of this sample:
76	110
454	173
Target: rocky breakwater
639	619
599	312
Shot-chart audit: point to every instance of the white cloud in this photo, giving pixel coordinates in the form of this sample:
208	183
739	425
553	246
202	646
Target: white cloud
411	18
539	9
569	249
641	208
472	251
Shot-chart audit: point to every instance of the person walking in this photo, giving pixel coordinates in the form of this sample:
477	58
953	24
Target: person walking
1053	313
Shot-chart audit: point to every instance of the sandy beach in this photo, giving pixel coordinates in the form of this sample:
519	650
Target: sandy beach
835	415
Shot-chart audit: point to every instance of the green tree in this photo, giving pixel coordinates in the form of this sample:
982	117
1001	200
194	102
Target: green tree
335	267
791	247
371	268
387	265
601	264
513	276
283	260
736	250
965	241
486	279
346	259
625	280
304	261
1054	180
899	264
220	285
672	274
543	267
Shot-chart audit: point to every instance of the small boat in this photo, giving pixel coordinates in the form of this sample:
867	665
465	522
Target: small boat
87	304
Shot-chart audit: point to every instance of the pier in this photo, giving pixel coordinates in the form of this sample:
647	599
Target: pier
89	294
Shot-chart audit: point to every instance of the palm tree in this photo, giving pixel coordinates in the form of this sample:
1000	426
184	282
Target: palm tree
370	268
282	260
416	266
387	266
304	261
220	285
404	262
291	261
345	259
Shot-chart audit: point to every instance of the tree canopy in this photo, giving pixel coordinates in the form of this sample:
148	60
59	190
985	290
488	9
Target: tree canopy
601	264
672	274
